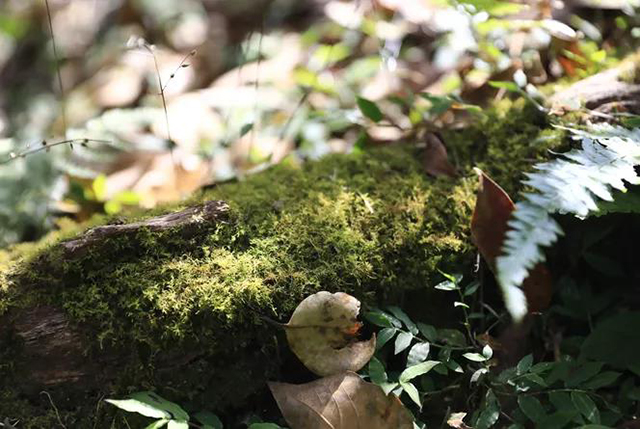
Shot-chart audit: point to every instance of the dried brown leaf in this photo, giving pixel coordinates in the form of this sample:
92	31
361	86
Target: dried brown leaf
341	401
323	332
436	161
488	227
455	421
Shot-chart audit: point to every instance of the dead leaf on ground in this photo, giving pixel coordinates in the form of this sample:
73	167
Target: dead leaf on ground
455	421
436	161
342	401
488	227
323	333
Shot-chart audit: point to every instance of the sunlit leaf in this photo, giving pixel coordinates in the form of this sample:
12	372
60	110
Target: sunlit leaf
384	336
403	340
418	353
417	370
340	401
323	331
413	393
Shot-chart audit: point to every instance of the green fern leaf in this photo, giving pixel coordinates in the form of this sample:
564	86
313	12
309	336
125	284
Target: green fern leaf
575	183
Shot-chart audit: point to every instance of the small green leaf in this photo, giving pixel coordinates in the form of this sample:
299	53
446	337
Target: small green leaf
490	412
509	86
403	340
507	375
479	373
631	121
127	197
487	351
418	353
411	390
471	288
382	319
417	370
388	387
601	380
404	318
447	285
245	129
453	366
586	406
175	411
209	419
135	406
377	373
369	109
384	336
559	371
536	379
559	419
583	373
562	402
439	104
532	408
157	424
475	357
428	331
524	364
99	187
541	367
361	143
452	337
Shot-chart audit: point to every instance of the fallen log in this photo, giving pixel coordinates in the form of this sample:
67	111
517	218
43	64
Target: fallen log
175	303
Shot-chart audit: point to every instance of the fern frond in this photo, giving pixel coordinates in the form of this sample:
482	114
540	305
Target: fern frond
573	184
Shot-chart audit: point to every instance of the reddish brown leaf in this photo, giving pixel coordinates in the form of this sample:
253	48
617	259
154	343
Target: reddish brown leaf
489	220
342	401
436	160
488	227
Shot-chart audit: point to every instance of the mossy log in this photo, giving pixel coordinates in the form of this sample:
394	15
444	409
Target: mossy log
175	303
615	89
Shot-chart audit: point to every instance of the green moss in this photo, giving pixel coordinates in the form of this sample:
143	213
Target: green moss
507	142
373	225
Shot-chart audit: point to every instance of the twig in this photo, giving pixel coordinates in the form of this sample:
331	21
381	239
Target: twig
46	146
149	48
180	66
57	59
54	408
257	82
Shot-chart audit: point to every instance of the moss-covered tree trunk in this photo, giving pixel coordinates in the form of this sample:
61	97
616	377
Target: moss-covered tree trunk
175	303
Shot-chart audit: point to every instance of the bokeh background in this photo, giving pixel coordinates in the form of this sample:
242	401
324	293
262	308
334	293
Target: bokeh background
250	83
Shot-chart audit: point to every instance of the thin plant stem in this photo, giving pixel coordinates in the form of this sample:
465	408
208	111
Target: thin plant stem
57	61
161	87
44	146
257	82
54	408
181	65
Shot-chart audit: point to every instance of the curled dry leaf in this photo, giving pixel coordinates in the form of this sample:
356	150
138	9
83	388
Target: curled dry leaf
342	401
436	160
323	333
488	227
